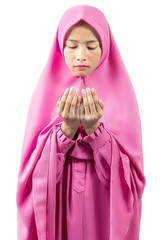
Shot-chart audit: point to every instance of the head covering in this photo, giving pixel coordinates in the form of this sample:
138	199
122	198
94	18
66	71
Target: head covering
112	84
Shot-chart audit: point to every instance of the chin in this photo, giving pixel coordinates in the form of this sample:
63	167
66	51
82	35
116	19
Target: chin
80	74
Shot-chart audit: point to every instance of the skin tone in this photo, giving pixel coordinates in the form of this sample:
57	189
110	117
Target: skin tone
90	111
82	47
86	109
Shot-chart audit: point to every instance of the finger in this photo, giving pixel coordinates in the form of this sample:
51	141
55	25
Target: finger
101	104
100	108
74	103
95	98
82	111
91	101
58	102
98	103
58	109
78	105
85	102
68	100
63	100
79	100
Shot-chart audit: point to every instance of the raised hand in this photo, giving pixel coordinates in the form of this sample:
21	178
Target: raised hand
91	110
68	108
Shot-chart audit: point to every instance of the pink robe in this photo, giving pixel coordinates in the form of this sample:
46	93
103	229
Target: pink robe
82	203
79	205
89	188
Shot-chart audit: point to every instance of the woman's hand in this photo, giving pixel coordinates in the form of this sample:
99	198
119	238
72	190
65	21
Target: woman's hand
68	108
91	110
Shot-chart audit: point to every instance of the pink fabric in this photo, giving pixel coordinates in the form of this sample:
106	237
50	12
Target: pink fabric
85	169
110	192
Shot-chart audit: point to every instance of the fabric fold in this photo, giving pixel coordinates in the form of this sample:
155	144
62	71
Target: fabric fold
27	227
114	148
110	164
98	137
66	142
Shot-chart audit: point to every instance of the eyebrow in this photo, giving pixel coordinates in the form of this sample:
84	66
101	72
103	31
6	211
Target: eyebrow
78	41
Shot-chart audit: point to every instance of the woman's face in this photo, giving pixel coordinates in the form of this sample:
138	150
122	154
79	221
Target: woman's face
82	47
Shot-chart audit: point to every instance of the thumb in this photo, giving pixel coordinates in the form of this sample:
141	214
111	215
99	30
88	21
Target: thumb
58	102
101	103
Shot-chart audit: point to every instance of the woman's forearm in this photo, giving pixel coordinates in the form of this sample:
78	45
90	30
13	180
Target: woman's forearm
92	128
68	130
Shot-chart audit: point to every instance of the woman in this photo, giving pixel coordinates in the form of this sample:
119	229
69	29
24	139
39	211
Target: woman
81	174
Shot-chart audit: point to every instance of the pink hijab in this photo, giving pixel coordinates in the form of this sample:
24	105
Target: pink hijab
120	117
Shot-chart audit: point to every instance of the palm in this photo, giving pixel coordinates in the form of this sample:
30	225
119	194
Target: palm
91	109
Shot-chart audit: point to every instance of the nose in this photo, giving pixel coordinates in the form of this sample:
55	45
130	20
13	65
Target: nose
81	55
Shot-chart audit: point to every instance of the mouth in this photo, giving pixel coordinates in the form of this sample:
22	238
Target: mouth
81	67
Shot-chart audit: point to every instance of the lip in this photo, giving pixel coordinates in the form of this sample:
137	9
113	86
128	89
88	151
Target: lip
81	67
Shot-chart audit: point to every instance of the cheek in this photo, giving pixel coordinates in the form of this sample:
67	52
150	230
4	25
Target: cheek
95	58
99	54
68	58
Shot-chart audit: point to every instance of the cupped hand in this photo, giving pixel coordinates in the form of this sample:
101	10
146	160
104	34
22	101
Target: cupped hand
68	108
91	109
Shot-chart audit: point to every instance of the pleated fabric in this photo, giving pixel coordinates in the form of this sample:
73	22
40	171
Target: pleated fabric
90	187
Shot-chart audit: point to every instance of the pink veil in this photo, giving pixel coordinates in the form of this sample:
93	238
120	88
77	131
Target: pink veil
121	117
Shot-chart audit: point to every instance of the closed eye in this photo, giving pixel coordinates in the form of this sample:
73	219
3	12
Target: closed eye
91	48
88	48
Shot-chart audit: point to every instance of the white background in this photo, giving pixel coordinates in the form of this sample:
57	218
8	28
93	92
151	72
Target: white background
27	30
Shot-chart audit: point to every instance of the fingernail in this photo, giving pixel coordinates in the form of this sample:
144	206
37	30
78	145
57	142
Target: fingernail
92	89
88	89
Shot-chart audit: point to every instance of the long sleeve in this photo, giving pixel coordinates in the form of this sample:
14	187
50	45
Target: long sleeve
64	144
100	142
103	145
127	182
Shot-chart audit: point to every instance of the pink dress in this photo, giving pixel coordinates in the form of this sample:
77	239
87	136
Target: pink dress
81	189
89	188
83	185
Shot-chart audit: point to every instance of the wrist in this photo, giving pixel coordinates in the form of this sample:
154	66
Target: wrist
68	130
92	128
